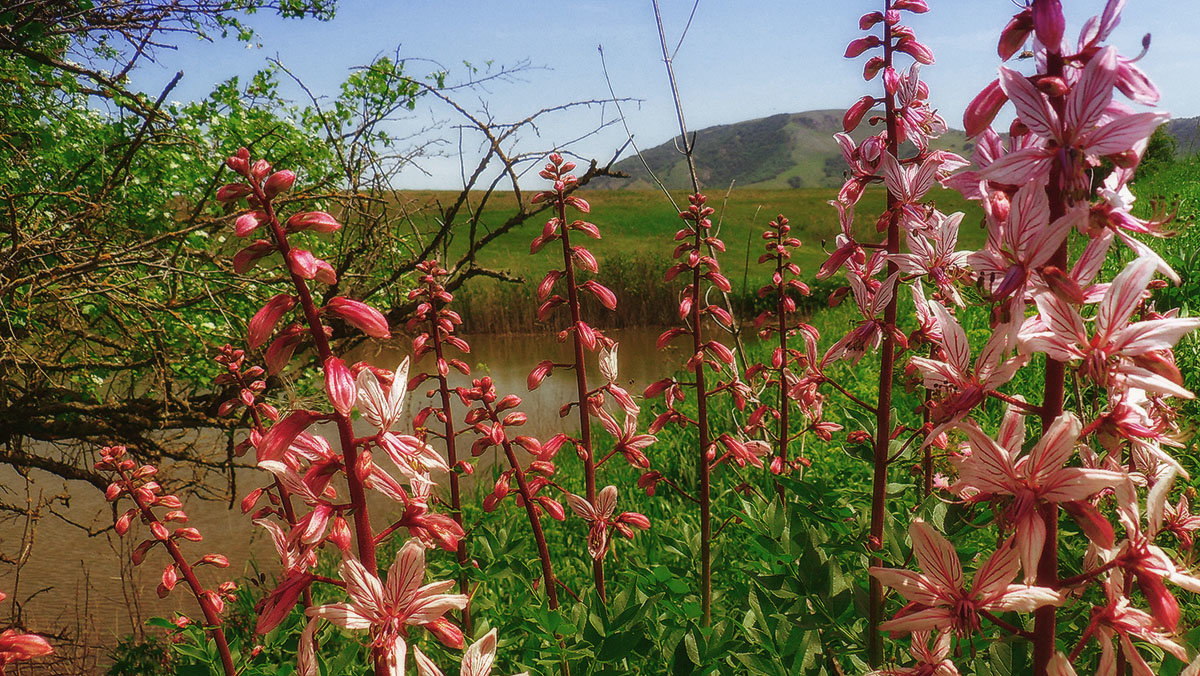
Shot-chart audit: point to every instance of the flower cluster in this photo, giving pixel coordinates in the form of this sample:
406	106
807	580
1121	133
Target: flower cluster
906	121
305	465
137	483
788	363
433	326
1036	190
696	254
490	417
589	403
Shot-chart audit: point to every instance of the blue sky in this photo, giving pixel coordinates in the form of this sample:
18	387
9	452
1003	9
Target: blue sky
741	59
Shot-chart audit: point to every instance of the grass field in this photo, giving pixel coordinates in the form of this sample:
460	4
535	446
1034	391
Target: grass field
638	229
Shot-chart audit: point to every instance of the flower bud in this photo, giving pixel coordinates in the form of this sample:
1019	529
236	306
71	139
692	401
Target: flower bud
280	181
260	169
188	534
339	534
214	560
233	192
1049	23
854	114
159	531
122	524
339	386
313	220
239	162
983	108
360	315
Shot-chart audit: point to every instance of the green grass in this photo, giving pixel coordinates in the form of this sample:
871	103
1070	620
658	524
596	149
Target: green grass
638	229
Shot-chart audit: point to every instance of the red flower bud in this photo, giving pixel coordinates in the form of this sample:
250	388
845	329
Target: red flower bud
360	315
983	108
855	113
339	385
233	192
313	220
1049	23
263	322
280	181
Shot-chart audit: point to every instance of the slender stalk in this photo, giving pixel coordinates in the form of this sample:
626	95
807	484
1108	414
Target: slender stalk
702	466
535	520
1053	388
464	584
363	536
585	422
210	613
887	359
784	402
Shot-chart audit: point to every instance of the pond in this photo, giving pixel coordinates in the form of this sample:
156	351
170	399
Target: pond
70	581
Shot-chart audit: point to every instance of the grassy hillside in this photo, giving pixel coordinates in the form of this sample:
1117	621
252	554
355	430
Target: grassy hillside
789	150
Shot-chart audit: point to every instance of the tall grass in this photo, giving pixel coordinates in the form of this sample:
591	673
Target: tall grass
635	226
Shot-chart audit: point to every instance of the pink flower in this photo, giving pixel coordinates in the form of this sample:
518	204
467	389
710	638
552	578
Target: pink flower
1179	521
1137	555
939	598
933	255
1119	619
600	516
931	660
382	408
908	185
1117	356
388	610
994	470
1018	247
1113	214
1087	125
869	333
629	443
958	388
476	661
915	120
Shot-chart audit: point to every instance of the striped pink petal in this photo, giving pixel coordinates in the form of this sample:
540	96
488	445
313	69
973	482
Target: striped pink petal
936	556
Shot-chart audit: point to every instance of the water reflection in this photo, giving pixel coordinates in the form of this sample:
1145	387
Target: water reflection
70	580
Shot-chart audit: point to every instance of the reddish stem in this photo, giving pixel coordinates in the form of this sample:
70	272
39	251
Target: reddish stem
464	583
702	469
211	616
927	456
362	523
585	423
784	401
883	411
1054	385
837	386
535	520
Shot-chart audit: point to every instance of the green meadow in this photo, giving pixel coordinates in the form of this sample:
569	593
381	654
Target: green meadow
638	229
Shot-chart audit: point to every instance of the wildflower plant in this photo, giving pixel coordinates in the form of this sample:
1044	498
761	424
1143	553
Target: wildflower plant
306	466
699	266
588	402
909	121
788	362
136	482
1036	190
433	326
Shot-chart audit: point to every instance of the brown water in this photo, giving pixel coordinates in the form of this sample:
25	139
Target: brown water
80	584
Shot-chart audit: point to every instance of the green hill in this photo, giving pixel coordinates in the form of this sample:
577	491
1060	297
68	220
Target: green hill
789	150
